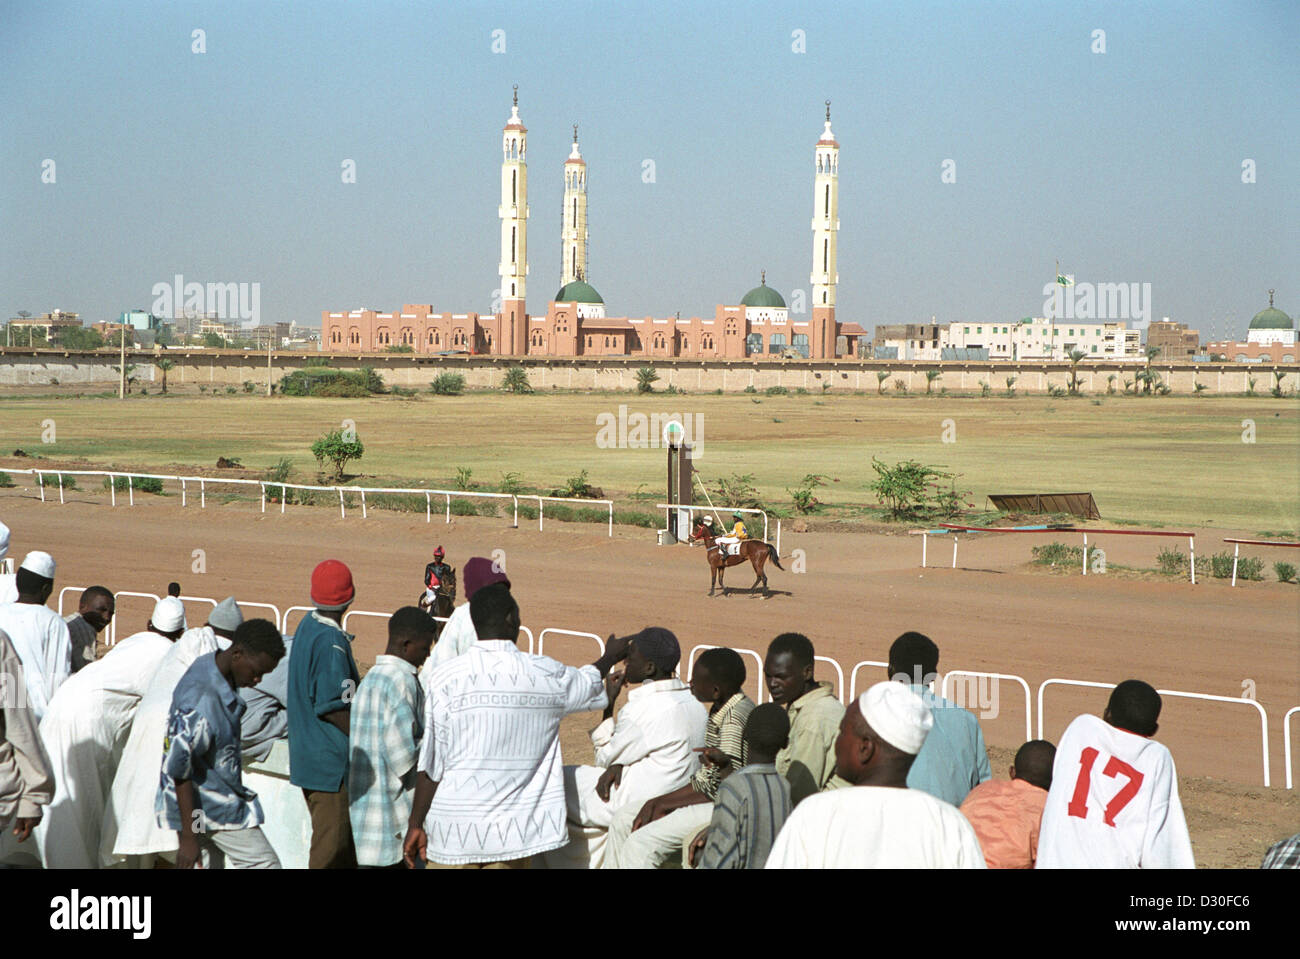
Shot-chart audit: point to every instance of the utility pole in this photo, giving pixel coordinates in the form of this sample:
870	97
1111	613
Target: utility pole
121	389
270	340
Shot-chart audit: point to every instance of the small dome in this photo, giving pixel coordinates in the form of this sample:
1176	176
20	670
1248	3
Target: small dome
1272	319
763	295
578	292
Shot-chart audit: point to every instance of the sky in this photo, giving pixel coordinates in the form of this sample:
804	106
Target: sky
1121	155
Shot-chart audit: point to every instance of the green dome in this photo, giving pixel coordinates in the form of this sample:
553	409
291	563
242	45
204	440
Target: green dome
1271	319
578	292
763	295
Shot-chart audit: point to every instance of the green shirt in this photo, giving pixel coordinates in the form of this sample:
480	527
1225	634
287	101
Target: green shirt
809	760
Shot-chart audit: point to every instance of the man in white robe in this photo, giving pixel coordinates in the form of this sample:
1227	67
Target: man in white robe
652	748
131	834
39	635
84	731
457	634
1114	800
879	823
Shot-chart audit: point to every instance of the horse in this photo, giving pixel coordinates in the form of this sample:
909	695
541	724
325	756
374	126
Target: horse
754	550
444	598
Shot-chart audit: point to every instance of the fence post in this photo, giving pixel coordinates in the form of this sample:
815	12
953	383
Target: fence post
448	495
924	537
343	513
363	504
611	518
112	489
263	486
954	550
182	492
1236	551
428	508
1191	542
203	494
1085	554
284	497
516	499
778	536
130	488
40	483
541	508
60	477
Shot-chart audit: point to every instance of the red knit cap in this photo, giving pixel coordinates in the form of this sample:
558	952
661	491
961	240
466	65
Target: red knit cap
331	585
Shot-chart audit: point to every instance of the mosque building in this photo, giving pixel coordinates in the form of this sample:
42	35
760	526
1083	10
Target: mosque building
575	322
1270	339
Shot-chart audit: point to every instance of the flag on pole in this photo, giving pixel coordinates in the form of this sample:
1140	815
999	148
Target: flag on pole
1065	279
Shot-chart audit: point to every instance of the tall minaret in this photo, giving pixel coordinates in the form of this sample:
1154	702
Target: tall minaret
514	233
573	229
825	226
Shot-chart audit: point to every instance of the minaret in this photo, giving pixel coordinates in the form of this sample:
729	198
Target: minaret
825	226
514	234
573	228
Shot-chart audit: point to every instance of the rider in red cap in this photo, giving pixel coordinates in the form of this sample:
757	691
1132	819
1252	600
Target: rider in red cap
435	574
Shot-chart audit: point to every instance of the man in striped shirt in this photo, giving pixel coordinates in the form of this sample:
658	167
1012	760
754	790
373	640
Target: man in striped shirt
753	804
644	838
385	732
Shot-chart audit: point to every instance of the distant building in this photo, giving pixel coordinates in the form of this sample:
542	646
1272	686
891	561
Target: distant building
576	321
1271	339
1037	338
139	320
52	324
908	341
1174	340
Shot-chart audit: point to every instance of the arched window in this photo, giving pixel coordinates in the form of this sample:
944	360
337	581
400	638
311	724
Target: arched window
537	338
823	296
686	344
575	212
706	341
513	244
826	255
826	206
514	186
658	341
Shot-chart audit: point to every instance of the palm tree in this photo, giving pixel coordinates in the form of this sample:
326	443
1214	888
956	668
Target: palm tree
164	365
1110	383
1011	385
881	376
1152	353
930	377
1075	357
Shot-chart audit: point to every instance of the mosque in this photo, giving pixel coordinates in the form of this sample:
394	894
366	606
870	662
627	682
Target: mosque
575	322
1270	339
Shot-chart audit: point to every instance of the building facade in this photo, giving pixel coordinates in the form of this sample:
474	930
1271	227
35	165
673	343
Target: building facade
576	322
1270	339
1174	340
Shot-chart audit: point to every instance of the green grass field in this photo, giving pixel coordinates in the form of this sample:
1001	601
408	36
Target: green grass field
1166	460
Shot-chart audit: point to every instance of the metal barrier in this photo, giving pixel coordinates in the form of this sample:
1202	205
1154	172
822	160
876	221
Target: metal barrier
541	638
184	482
1286	741
112	627
839	673
1236	553
1263	716
853	676
1029	727
955	529
668	507
690	666
284	620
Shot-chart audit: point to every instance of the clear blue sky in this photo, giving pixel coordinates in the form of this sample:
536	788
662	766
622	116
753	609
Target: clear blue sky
225	166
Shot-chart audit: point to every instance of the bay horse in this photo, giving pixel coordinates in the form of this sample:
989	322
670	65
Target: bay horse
755	551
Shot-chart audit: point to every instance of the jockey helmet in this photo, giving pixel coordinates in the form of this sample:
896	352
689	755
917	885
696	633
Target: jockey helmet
438	553
708	521
737	516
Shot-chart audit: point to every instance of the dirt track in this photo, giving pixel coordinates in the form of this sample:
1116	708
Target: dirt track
859	591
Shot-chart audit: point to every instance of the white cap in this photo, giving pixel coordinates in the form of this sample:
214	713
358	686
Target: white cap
42	564
168	615
4	540
897	715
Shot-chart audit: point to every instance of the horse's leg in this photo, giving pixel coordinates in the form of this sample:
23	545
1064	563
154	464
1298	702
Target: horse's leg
713	578
722	570
758	569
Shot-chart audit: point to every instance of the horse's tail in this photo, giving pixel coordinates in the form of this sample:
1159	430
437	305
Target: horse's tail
771	554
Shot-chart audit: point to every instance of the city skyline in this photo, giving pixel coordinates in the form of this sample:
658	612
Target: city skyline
230	165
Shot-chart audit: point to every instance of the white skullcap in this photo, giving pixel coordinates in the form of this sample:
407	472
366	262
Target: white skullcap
168	615
897	715
4	540
42	564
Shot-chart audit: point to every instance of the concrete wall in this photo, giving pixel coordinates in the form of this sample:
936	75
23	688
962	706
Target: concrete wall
221	368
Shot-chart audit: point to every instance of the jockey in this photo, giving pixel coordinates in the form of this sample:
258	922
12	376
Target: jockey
435	574
738	533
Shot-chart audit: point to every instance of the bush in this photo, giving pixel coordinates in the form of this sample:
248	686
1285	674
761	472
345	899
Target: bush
577	487
336	448
448	384
527	511
1250	567
510	483
747	389
398	502
1171	561
249	386
321	380
645	379
6	481
463	474
800	391
47	479
230	390
985	389
464	507
912	490
1057	554
141	484
348	388
804	500
776	391
516	381
633	518
1285	571
738	490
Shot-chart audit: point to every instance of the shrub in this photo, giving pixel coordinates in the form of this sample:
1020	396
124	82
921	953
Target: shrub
1055	390
804	499
6	481
317	379
448	384
738	490
527	511
48	479
464	507
463	474
1285	571
1221	565
577	487
826	387
913	490
339	388
1171	561
510	483
900	386
776	391
249	386
1250	567
1057	554
645	379
230	390
633	518
337	448
749	389
985	389
800	391
141	484
516	381
399	502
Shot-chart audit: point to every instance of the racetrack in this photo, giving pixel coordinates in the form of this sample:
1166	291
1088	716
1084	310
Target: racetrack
858	593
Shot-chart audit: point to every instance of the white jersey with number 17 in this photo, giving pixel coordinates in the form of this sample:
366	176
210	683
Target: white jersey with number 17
1113	803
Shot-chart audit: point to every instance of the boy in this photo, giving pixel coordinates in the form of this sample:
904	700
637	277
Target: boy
752	805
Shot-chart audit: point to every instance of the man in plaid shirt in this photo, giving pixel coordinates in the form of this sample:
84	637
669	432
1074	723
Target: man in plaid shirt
645	838
384	741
